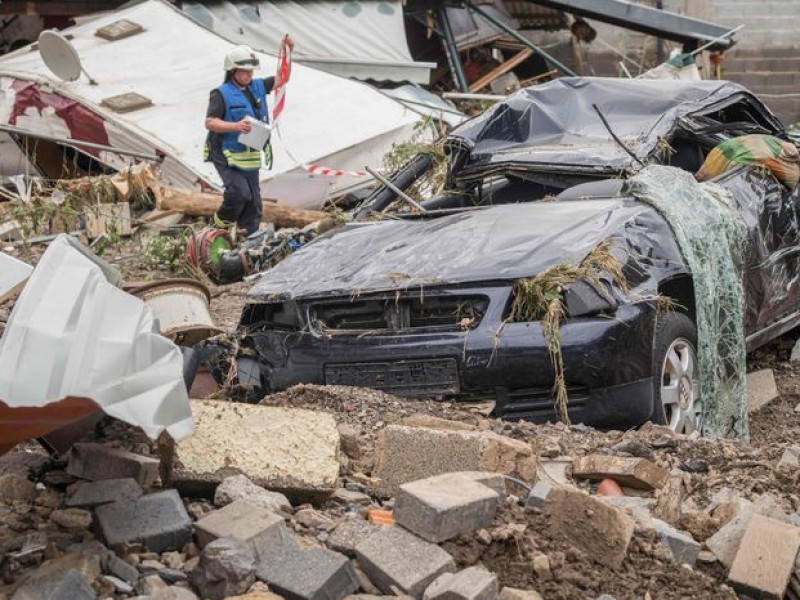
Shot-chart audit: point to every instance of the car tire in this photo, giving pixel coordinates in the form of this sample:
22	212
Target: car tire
675	373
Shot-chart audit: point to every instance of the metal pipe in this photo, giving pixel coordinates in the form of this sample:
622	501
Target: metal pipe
400	193
452	50
80	144
520	38
406	176
460	96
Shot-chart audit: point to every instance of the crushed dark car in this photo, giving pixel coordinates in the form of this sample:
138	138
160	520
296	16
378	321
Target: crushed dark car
421	303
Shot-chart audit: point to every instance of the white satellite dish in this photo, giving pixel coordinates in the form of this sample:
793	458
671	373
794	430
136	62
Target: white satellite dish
61	57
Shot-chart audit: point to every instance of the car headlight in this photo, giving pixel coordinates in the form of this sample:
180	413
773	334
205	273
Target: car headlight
583	298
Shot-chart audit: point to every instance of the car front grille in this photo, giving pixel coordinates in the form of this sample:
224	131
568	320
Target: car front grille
407	313
537	404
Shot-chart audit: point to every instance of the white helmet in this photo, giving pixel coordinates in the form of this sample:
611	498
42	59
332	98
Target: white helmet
241	57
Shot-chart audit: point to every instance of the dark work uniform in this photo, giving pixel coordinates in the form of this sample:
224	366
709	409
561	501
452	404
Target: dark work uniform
240	185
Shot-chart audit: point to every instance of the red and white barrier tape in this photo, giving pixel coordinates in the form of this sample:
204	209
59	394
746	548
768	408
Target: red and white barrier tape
284	67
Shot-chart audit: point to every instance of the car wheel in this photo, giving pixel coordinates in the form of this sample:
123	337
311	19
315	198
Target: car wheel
675	374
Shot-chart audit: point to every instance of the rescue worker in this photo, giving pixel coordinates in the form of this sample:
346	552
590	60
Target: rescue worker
240	96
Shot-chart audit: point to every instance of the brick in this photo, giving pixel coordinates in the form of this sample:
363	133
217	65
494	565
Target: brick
404	454
97	493
67	584
97	462
206	458
681	546
158	521
725	542
395	557
761	389
444	506
297	574
766	558
473	583
638	473
601	531
538	495
239	519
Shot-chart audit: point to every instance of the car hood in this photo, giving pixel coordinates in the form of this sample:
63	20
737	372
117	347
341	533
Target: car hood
554	127
493	244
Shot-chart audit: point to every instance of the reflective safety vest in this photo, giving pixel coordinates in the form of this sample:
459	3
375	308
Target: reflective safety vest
237	106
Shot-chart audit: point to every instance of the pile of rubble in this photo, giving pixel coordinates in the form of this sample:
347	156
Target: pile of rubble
333	492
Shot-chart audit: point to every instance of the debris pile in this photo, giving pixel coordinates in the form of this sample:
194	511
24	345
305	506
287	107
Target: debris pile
398	497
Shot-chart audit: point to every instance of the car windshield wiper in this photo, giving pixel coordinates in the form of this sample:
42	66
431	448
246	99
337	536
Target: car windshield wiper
614	135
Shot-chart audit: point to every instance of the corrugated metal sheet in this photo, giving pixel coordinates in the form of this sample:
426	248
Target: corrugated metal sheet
533	16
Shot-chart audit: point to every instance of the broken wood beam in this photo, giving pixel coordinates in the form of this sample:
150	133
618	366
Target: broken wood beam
504	68
205	204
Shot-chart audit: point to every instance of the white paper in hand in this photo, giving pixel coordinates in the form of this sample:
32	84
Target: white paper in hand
257	137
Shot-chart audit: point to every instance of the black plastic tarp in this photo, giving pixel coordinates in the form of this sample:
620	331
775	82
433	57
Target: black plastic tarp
555	127
498	243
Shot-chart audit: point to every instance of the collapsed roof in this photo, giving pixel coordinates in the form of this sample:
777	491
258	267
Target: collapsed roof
173	63
362	40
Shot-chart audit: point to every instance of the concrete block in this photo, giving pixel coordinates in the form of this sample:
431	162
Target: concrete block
98	462
96	493
158	521
725	542
394	557
404	454
538	495
239	519
297	574
114	565
239	487
264	449
473	583
681	546
638	508
444	506
349	534
494	481
227	567
638	473
601	531
765	559
67	584
761	389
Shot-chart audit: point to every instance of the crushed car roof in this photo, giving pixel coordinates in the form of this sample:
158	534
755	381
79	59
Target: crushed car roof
555	127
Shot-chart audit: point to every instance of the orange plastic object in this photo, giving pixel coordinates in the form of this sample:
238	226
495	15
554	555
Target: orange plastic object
381	517
609	487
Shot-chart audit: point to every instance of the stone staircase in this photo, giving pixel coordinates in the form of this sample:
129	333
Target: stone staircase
766	58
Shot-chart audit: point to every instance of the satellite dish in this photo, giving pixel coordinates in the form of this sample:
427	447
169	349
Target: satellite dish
61	57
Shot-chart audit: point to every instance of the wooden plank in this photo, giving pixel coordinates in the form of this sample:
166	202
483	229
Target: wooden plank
501	70
102	217
205	204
